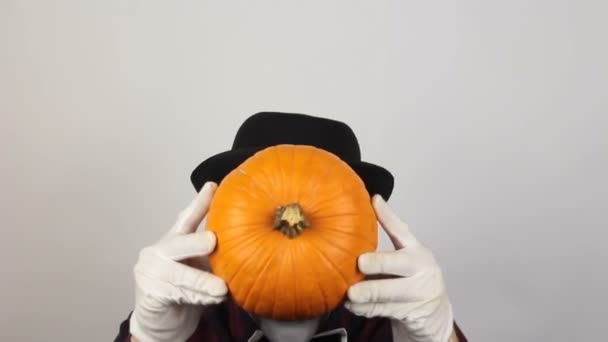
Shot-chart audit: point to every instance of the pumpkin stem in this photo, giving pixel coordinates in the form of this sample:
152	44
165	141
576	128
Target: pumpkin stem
290	220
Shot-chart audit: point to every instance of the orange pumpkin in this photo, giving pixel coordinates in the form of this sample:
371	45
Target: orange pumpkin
290	223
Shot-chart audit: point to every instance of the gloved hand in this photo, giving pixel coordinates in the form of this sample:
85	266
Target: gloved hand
169	294
416	300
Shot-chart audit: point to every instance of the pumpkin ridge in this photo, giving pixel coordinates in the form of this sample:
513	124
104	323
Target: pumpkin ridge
255	224
350	233
230	207
242	204
257	183
266	180
290	164
238	269
294	289
277	288
321	217
329	261
314	270
248	258
282	179
246	238
322	202
267	262
323	176
335	245
297	278
308	176
307	304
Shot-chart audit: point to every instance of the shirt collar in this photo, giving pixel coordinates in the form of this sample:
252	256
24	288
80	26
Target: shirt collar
339	335
243	322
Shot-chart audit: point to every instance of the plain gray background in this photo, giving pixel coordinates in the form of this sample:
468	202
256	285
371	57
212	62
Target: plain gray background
492	115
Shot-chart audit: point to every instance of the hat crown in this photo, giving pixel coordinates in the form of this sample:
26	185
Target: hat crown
267	129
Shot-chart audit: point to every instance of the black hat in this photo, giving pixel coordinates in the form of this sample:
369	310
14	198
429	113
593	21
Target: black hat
267	129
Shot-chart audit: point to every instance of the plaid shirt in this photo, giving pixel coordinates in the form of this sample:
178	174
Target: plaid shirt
227	322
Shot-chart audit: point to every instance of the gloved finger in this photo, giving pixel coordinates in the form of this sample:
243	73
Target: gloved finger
198	262
180	247
366	310
153	264
396	229
370	310
182	276
394	262
169	294
393	310
191	217
387	291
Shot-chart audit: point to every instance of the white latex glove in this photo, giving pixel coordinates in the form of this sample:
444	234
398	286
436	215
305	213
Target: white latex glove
416	300
169	294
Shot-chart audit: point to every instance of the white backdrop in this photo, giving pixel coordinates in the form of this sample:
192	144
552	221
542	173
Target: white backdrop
492	115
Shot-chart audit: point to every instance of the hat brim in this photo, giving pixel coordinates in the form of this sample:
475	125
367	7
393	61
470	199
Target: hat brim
377	179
